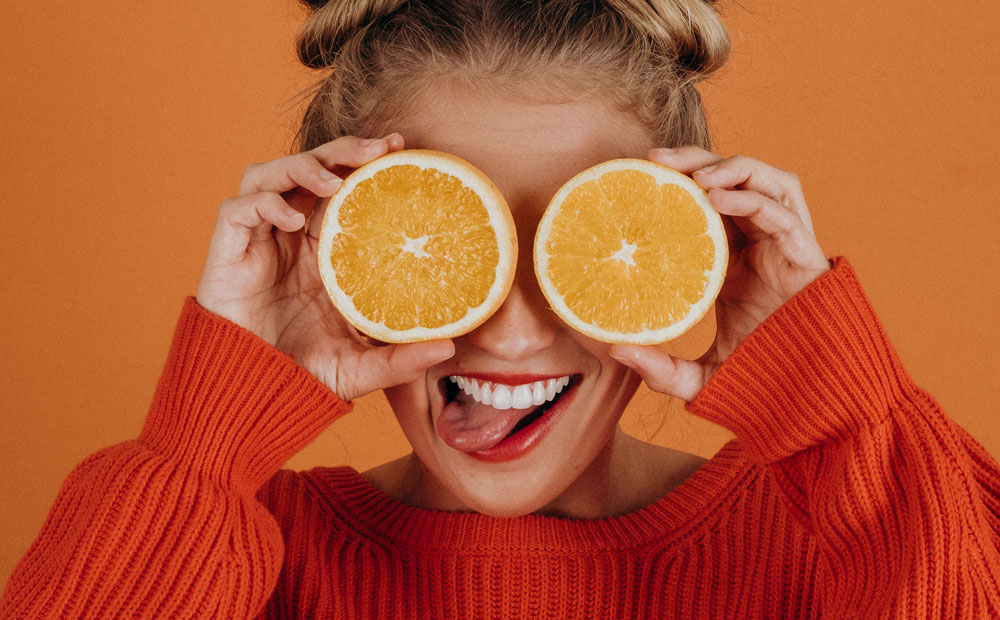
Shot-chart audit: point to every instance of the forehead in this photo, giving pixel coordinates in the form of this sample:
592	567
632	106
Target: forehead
526	147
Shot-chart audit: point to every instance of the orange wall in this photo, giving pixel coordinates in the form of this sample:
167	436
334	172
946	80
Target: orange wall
124	124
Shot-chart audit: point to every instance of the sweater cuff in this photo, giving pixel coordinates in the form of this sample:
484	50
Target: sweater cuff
816	371
232	406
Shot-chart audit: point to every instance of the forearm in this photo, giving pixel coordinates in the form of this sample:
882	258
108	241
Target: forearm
167	525
866	461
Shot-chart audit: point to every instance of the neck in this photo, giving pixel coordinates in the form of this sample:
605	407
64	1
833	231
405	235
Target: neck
597	492
626	476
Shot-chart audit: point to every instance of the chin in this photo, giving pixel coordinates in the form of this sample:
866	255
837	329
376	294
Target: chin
514	461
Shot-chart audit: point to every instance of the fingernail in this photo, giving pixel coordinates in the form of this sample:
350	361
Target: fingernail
390	136
707	170
615	353
328	176
369	141
662	151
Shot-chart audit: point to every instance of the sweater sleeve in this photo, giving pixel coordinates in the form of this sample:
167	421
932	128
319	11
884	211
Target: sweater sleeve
903	503
166	526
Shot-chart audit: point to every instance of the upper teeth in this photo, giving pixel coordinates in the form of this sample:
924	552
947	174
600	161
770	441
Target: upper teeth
501	396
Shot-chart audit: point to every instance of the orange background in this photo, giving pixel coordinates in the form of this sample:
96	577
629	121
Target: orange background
124	124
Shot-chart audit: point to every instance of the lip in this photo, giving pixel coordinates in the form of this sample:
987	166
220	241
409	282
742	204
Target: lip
527	439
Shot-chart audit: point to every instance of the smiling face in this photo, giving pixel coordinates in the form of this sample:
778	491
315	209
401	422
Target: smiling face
523	418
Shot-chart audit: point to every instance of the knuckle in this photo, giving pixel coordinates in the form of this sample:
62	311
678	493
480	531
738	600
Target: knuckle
790	223
247	202
761	202
302	160
263	200
790	188
744	165
250	174
227	206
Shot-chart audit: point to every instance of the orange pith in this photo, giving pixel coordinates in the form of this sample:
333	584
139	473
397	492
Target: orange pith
397	209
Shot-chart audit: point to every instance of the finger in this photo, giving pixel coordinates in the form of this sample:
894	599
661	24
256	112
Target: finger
301	170
317	207
248	217
314	170
395	142
401	363
758	216
302	200
351	151
661	372
684	159
316	217
743	172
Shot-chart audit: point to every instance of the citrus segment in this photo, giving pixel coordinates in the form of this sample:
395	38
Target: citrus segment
630	251
417	245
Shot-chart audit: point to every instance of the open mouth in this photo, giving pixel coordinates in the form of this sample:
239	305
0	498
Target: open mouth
489	418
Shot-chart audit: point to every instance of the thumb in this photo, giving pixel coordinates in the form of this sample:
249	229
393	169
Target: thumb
662	372
401	363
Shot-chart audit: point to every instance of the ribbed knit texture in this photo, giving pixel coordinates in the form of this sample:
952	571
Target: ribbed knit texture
847	494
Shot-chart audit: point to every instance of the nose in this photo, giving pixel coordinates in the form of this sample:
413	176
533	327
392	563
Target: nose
522	326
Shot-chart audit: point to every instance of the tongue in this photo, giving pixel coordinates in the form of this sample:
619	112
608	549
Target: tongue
469	426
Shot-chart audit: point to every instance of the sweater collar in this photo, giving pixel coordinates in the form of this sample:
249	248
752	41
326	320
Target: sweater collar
695	505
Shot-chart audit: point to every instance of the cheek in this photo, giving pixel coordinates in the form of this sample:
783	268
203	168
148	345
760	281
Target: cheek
410	404
617	383
599	351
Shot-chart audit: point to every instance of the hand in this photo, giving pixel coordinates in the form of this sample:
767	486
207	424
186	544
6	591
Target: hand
262	274
773	255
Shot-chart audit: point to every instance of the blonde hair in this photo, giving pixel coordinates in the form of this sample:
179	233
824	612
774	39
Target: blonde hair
644	57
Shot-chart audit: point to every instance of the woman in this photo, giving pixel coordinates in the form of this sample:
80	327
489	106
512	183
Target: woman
847	493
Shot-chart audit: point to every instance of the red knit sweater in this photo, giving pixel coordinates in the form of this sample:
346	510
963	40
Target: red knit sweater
847	494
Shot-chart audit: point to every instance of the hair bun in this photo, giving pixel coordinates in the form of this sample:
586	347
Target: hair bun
689	31
708	47
333	23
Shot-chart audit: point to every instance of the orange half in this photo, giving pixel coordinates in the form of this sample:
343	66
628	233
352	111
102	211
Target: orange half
630	251
417	245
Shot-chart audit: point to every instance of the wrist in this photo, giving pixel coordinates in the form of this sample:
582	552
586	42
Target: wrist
230	405
816	371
